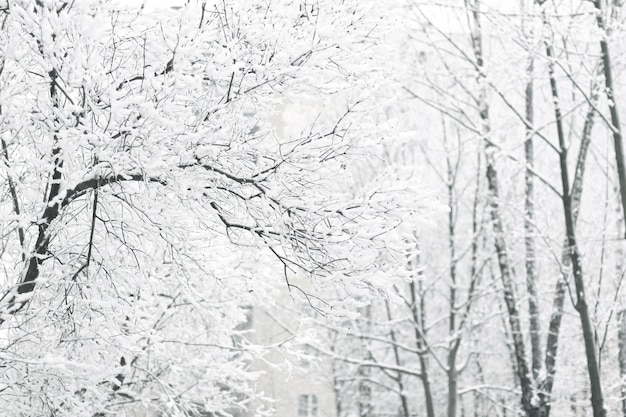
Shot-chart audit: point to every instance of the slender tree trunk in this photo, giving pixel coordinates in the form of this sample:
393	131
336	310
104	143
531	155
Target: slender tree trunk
480	410
452	373
336	381
529	212
419	319
365	389
613	110
597	397
552	342
510	296
529	227
453	382
621	339
417	310
404	401
621	321
554	327
338	405
456	330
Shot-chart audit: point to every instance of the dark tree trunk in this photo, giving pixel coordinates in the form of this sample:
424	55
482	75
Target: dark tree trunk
597	396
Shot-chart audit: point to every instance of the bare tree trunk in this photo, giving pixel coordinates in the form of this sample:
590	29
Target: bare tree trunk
621	321
510	296
621	173
336	381
597	397
418	313
479	403
456	330
338	404
529	214
404	401
365	393
365	390
552	342
453	349
452	372
452	383
610	95
621	338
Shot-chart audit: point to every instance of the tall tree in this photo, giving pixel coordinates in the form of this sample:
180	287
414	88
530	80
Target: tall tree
582	306
510	296
529	206
607	68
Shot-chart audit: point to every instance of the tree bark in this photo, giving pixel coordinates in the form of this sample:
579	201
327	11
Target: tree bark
529	225
451	372
365	389
404	401
15	300
510	296
554	326
621	339
455	330
417	311
613	110
597	397
419	319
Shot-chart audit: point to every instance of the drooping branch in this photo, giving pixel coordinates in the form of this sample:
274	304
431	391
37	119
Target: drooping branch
16	299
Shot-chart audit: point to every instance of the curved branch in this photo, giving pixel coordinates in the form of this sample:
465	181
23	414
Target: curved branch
17	297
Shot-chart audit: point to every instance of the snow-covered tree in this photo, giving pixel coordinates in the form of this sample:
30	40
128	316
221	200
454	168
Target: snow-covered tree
159	174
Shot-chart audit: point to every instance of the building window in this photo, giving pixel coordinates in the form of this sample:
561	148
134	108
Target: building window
307	406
